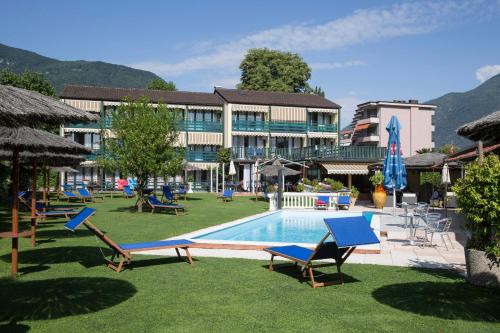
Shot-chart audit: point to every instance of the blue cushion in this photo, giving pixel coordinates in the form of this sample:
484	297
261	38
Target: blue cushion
293	251
351	231
83	192
78	219
324	198
344	200
228	193
157	244
128	191
69	194
154	200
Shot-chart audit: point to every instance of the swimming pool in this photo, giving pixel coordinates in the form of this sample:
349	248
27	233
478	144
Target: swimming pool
287	226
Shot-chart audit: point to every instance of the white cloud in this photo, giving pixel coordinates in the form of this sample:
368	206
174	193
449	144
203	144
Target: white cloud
336	65
363	26
486	72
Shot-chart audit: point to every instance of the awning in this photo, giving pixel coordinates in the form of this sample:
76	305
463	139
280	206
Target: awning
243	133
331	135
249	108
345	169
193	166
319	110
361	127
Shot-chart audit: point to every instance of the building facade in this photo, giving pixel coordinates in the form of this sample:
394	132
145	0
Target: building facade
417	127
253	125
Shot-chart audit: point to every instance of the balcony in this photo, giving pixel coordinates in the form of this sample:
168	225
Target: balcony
368	139
201	156
92	125
250	125
286	127
200	126
93	156
369	120
313	126
311	153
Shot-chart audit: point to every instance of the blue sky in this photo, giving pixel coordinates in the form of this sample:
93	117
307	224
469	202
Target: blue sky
358	50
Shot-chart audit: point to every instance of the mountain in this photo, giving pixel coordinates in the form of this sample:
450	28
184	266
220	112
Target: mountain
59	73
456	109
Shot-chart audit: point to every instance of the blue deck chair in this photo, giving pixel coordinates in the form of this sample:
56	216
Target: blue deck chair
123	252
85	195
154	203
127	192
167	194
69	195
343	201
227	195
322	202
347	233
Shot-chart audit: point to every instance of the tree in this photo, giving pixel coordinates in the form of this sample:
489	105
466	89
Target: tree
141	142
316	91
28	80
271	70
160	84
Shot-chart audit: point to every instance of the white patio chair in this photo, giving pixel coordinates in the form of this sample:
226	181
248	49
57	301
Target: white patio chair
441	227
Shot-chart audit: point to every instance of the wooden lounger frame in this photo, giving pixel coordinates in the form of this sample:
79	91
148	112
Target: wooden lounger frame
307	267
179	210
125	257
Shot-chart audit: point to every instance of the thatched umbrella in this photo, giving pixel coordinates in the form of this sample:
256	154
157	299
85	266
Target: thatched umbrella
30	140
56	161
274	169
486	129
20	107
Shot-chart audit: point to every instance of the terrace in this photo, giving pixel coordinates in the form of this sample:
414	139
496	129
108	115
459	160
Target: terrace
65	286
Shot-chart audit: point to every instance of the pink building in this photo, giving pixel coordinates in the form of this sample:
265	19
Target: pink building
371	118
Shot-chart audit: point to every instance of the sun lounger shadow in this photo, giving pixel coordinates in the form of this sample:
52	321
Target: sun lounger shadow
291	270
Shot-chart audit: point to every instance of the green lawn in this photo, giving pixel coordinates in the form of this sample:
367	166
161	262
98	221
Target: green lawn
64	286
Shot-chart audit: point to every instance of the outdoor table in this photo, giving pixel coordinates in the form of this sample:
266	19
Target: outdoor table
410	216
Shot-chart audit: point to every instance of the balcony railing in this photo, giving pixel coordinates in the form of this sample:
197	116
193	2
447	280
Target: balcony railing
93	156
92	125
200	126
250	125
201	156
301	154
285	127
313	126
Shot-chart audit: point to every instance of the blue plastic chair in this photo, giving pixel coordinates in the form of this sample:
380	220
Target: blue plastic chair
347	233
127	192
323	202
227	195
343	201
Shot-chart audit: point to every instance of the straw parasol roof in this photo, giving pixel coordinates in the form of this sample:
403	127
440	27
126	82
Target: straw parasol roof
485	129
57	161
273	170
20	107
425	160
34	140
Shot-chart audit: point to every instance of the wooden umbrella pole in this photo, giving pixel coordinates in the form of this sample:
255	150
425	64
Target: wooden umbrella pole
44	187
15	211
33	205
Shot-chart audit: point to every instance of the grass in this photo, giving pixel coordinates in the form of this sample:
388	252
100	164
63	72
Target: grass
63	286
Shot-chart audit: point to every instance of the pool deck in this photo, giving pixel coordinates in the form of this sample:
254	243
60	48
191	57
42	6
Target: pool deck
395	249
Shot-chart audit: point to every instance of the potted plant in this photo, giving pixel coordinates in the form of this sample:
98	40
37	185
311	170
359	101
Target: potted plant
354	195
478	198
190	184
379	196
270	190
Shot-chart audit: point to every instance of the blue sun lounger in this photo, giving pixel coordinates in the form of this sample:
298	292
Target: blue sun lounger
123	252
343	201
71	196
227	195
85	195
347	233
127	192
154	203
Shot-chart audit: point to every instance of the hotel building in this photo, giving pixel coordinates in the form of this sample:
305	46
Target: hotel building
255	125
417	127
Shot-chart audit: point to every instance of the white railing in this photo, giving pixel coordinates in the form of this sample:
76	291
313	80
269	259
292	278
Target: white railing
303	199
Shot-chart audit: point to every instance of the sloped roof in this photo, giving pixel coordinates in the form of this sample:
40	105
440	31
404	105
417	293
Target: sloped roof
275	98
118	94
486	128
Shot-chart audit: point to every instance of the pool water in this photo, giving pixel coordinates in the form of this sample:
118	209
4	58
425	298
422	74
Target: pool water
283	226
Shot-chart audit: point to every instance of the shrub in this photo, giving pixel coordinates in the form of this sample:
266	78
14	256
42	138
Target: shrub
336	185
354	192
270	189
307	181
314	182
300	187
377	178
478	197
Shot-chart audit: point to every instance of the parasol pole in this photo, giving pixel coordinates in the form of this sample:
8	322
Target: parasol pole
33	204
15	211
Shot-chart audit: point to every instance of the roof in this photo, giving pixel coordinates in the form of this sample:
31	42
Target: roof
275	98
472	152
425	160
118	94
20	107
486	128
397	103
